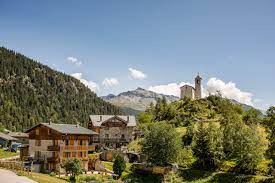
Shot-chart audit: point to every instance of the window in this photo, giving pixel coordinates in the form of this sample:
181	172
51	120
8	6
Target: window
37	131
66	142
81	142
73	154
80	154
122	136
37	154
38	142
67	154
71	142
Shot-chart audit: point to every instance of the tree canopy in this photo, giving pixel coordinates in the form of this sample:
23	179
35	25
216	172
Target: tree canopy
31	93
161	144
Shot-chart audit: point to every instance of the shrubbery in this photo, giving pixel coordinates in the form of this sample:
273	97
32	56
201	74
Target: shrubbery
218	135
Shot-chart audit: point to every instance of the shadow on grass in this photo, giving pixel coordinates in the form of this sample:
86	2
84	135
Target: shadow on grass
190	175
237	178
142	178
193	174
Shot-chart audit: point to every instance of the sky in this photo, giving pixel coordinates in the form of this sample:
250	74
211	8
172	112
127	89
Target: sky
118	45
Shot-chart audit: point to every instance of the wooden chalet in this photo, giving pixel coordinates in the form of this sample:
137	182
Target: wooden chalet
114	130
50	143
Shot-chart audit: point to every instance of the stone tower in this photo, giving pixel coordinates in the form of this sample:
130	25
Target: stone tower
198	87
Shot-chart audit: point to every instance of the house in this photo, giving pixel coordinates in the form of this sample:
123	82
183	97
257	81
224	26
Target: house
51	143
114	130
6	141
22	138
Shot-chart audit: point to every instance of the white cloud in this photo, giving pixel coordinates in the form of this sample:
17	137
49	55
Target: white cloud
169	89
90	84
109	82
136	74
74	61
228	90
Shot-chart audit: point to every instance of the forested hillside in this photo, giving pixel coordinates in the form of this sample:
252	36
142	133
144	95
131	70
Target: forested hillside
31	93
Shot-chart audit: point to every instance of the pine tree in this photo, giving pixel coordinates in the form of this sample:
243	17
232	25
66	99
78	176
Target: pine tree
119	165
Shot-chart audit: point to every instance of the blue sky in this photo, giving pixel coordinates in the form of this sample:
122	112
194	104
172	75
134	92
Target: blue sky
167	41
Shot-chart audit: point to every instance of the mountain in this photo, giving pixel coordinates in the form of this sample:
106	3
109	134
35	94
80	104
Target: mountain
244	106
137	100
31	93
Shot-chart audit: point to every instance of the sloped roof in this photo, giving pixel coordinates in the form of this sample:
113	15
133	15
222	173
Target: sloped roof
18	134
7	137
129	120
67	129
187	86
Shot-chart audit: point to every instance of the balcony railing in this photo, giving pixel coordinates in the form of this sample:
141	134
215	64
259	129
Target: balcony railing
53	159
54	148
112	140
75	148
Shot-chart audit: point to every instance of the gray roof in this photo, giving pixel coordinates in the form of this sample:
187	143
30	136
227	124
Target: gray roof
7	137
68	129
18	134
130	120
189	86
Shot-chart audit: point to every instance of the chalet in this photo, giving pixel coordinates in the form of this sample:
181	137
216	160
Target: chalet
50	143
114	130
6	140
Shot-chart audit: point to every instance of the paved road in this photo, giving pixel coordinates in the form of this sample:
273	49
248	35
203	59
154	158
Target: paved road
7	176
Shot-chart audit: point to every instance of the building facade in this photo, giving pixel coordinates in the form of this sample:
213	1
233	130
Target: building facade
52	143
114	131
191	92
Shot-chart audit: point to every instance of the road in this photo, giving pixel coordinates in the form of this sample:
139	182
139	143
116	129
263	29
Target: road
7	176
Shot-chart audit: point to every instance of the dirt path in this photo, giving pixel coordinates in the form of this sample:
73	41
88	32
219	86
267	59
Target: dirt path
7	176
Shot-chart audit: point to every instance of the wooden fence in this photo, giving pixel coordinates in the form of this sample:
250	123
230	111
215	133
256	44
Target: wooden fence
12	165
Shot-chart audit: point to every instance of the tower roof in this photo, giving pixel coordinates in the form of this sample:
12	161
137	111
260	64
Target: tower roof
198	76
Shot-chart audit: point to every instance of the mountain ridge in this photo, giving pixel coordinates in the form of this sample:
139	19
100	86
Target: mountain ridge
138	99
135	101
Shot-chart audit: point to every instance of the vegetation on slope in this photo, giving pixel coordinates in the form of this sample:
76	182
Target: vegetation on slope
31	93
217	136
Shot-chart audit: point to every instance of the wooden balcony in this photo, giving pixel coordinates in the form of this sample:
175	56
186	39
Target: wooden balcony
116	140
53	159
75	148
54	148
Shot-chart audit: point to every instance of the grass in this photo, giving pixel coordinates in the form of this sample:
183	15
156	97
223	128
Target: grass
7	154
199	176
182	176
43	178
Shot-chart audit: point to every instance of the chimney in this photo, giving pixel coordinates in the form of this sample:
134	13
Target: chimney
128	117
100	118
50	121
77	125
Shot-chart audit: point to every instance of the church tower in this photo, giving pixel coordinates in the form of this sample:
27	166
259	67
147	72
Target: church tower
198	87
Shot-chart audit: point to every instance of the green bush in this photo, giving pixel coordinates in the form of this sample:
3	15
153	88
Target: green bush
228	166
185	157
263	167
52	174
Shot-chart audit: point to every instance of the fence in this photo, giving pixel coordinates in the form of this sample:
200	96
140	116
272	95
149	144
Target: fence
12	165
